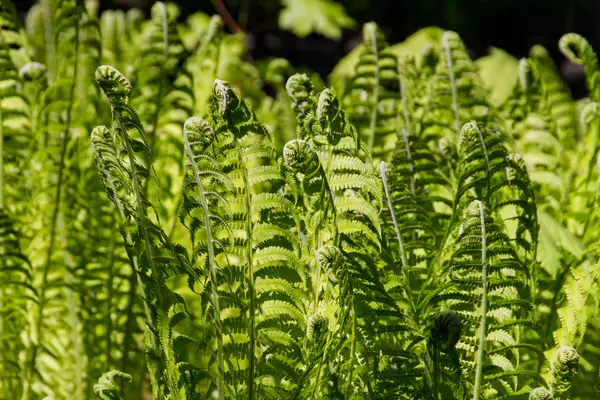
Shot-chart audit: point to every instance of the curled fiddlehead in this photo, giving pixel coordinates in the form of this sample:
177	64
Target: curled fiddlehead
442	357
540	393
318	327
564	365
299	88
446	330
577	49
328	257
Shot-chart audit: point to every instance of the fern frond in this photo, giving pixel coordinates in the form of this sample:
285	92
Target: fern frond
278	114
483	261
16	295
300	89
559	99
14	114
49	349
372	98
272	316
120	31
154	257
204	64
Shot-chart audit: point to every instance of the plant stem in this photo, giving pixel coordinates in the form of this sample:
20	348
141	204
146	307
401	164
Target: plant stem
375	99
250	277
1	160
49	38
226	15
482	325
352	352
450	66
405	271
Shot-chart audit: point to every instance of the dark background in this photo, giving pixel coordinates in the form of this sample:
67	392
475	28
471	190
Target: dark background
513	25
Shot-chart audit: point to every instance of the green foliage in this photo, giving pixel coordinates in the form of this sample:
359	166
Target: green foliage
324	17
106	388
498	70
428	230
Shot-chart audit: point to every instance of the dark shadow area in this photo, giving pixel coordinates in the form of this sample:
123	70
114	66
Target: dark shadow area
512	25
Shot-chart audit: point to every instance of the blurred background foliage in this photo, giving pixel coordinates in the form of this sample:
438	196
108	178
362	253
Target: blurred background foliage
317	33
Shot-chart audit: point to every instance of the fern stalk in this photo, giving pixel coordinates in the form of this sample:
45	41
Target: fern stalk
251	327
140	208
109	300
386	189
450	67
482	324
1	207
1	163
134	264
352	351
374	110
49	38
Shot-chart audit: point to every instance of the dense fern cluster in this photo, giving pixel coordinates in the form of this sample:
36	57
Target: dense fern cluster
413	231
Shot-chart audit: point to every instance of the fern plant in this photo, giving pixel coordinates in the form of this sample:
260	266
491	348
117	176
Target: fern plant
172	228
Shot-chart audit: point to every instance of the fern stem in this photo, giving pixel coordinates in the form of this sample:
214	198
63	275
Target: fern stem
325	173
436	372
455	206
375	99
140	208
556	298
487	164
450	66
352	351
318	377
212	265
133	285
251	328
109	301
411	164
482	325
405	271
403	99
1	160
49	38
76	350
135	281
135	276
226	15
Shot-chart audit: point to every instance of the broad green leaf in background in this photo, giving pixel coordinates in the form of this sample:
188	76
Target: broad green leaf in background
414	43
553	238
194	28
324	17
499	73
